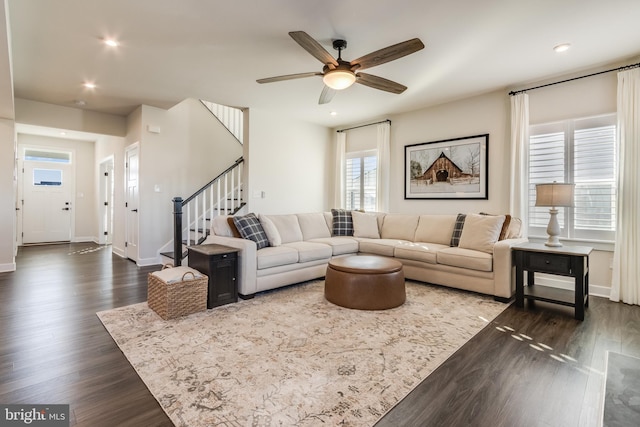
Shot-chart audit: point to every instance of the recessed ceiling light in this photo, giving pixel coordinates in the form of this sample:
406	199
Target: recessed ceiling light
63	133
111	42
333	113
89	85
562	47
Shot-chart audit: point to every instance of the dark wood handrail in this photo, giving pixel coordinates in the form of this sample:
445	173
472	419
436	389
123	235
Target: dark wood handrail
207	185
179	203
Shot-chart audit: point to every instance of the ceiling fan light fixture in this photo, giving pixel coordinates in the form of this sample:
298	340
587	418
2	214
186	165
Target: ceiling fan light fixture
339	79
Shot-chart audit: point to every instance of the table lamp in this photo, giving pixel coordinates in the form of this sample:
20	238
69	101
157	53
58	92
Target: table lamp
554	195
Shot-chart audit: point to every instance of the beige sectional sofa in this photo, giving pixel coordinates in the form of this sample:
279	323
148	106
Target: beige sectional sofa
301	245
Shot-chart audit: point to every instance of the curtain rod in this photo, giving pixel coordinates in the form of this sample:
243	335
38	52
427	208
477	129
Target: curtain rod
626	67
361	126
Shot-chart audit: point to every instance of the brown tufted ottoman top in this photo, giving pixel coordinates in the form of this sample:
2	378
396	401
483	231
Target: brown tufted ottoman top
366	264
365	282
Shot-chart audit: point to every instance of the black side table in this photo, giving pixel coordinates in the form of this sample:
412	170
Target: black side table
572	261
220	263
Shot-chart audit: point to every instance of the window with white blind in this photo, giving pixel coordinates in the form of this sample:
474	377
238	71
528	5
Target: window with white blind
582	152
361	180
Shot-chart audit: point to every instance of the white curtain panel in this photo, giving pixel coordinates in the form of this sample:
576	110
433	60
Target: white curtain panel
626	266
341	147
384	163
519	195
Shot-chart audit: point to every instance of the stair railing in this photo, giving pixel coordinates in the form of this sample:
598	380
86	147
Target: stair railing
222	195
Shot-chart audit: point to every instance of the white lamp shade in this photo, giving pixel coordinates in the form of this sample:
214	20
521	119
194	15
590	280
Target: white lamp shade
339	79
554	194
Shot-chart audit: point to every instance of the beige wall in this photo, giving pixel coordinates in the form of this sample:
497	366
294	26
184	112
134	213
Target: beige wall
190	149
55	116
482	114
291	162
8	192
490	113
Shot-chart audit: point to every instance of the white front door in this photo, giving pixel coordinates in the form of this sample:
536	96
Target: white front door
47	191
132	169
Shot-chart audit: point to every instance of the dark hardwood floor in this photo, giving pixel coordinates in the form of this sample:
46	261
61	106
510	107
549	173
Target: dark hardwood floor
53	347
531	367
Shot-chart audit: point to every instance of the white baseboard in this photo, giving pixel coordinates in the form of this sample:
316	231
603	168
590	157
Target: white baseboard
4	268
144	262
84	239
117	251
569	284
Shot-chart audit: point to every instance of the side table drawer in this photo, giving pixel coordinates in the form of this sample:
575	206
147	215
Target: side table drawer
548	263
223	257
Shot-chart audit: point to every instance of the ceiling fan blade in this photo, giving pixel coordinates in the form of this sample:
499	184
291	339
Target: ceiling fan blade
288	77
380	83
327	95
313	47
387	54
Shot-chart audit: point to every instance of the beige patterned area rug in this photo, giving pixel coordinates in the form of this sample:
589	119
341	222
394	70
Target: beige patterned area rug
291	358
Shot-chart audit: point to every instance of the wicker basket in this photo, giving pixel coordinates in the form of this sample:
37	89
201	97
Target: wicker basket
171	300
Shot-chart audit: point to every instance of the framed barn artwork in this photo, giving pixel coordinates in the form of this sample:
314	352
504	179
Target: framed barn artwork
448	169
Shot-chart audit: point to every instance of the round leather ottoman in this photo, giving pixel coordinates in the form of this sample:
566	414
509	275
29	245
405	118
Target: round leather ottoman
365	282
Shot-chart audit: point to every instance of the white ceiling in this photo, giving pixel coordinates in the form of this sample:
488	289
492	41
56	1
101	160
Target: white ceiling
215	50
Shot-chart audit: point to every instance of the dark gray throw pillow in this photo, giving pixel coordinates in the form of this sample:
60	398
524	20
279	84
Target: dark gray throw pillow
342	222
250	228
457	230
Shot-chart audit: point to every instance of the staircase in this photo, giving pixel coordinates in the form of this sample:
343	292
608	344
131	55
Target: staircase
230	117
221	196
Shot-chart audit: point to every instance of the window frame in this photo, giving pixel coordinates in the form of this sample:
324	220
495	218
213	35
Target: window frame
362	155
566	216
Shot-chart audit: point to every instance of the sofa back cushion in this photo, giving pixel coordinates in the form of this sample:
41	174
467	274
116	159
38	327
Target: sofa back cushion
398	226
481	232
250	228
288	227
435	229
313	226
515	228
457	230
365	225
342	222
270	230
221	227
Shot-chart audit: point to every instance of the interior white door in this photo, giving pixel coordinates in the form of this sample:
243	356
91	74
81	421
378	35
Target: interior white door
106	202
47	202
132	170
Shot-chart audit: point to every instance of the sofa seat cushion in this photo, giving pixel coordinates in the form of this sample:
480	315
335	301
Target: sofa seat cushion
425	252
384	247
340	245
310	251
274	256
465	258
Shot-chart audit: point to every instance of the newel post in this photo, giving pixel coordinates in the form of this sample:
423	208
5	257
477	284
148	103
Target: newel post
177	231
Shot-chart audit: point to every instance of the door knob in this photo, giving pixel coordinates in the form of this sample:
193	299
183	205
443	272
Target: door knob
65	209
134	210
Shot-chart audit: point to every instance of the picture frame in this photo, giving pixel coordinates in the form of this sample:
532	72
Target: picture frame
455	168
